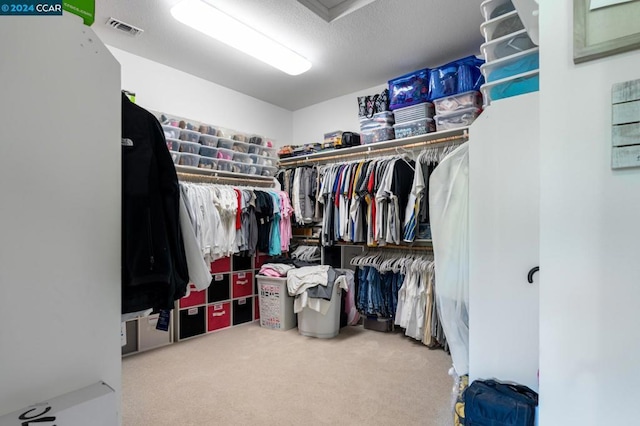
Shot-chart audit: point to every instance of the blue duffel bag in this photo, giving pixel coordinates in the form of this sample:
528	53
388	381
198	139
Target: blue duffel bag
490	403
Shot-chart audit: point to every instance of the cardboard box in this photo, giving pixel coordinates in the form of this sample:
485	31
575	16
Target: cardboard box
94	405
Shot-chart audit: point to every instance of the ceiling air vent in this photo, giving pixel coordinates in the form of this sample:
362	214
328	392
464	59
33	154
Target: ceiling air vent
127	28
330	10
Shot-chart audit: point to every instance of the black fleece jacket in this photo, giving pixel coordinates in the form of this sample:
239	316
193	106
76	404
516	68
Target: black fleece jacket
154	266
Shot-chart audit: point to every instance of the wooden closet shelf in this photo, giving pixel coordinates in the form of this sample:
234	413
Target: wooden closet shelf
192	174
381	148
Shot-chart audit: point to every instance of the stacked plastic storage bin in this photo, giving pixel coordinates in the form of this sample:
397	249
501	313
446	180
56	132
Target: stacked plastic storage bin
454	89
246	154
414	120
172	135
408	98
183	144
512	59
457	110
214	148
376	120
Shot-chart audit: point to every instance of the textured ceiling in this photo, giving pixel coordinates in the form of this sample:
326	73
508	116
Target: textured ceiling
366	48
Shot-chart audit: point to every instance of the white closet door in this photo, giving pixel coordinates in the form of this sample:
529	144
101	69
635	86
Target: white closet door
504	174
60	210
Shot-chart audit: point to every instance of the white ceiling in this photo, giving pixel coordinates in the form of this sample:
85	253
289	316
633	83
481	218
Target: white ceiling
365	48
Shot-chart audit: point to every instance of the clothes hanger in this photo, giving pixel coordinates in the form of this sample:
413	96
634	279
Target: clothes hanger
403	156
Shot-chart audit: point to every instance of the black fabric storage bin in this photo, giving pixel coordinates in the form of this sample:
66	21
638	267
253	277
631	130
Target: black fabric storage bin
242	310
219	289
333	256
192	322
242	263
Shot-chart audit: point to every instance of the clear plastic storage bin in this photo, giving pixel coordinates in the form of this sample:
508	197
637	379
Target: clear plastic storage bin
507	23
506	46
512	86
225	143
414	128
189	135
378	135
256	140
207	151
242	158
492	9
173	144
175	156
225	154
269	171
269	161
209	140
187	159
414	112
241	137
208	129
519	63
257	159
268	152
171	132
380	119
457	102
237	167
190	147
173	122
263	161
242	147
208	163
454	120
224	165
255	169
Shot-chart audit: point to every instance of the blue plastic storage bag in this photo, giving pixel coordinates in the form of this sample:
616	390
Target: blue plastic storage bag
409	89
462	75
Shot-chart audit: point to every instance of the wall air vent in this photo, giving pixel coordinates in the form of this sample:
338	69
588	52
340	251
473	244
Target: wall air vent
127	28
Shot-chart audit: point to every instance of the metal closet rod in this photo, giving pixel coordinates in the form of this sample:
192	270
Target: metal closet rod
376	152
314	241
192	177
389	247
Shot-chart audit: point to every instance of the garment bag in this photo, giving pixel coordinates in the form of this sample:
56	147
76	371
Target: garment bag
449	213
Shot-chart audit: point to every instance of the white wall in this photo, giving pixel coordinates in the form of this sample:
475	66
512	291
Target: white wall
341	113
161	88
590	244
60	211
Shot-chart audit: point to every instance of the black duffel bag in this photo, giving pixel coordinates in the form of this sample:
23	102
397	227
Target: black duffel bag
490	403
349	139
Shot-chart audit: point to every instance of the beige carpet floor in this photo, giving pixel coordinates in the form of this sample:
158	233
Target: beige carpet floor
249	375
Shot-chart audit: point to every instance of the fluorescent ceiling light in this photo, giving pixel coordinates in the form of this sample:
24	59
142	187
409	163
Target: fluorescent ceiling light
214	23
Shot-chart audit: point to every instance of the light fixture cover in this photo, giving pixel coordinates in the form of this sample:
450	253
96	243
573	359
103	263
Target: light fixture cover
214	23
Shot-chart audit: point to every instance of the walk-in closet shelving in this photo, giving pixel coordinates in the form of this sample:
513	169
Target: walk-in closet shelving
230	300
380	148
196	174
339	254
